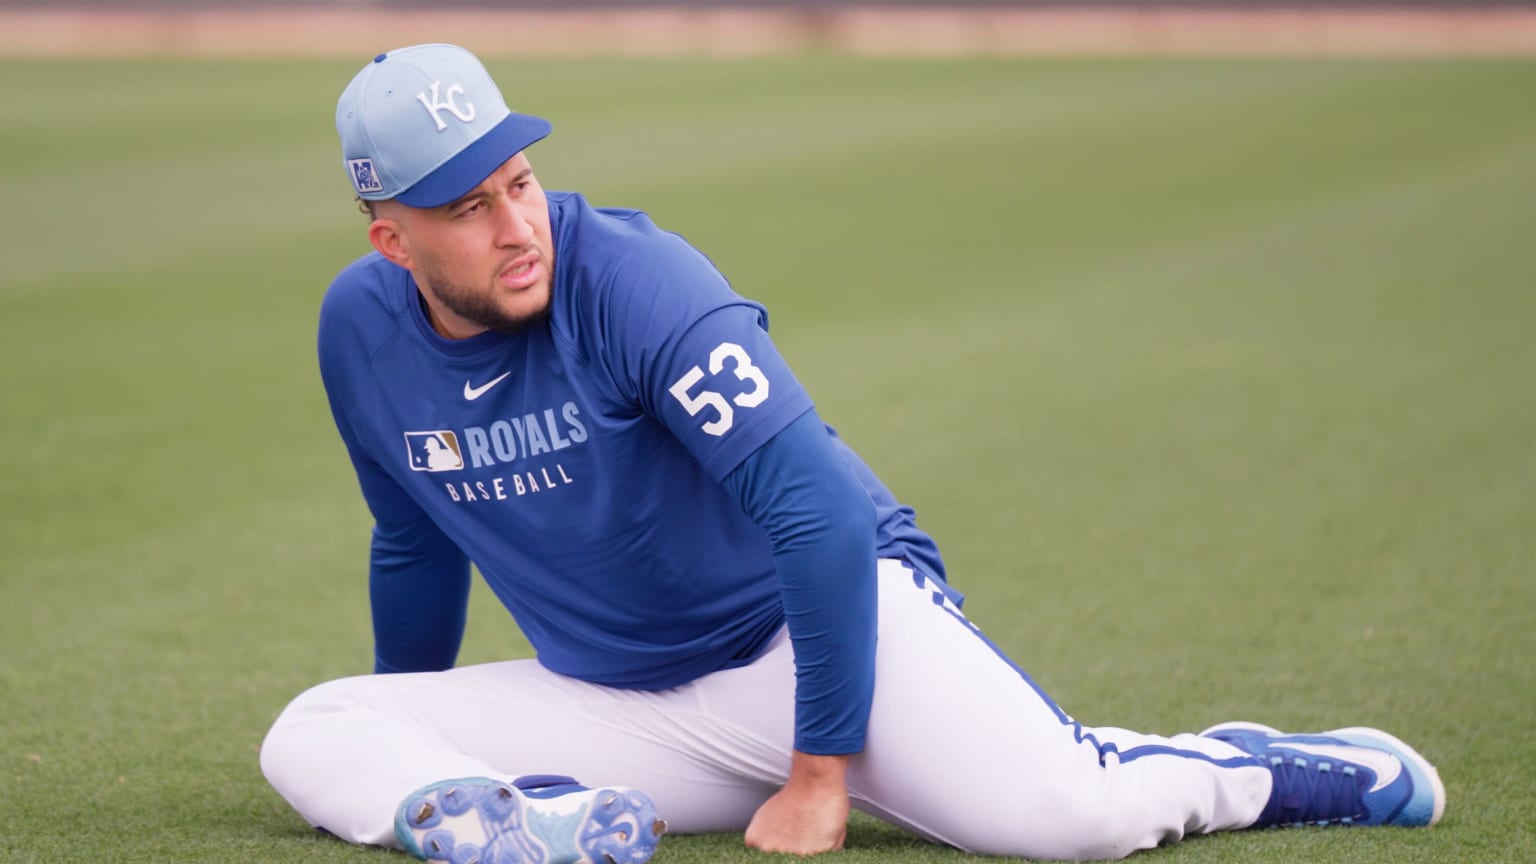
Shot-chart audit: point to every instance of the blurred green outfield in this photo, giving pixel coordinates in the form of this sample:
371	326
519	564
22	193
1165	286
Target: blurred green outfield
1213	379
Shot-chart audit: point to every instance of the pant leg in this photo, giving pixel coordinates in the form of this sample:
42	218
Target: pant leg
344	754
963	748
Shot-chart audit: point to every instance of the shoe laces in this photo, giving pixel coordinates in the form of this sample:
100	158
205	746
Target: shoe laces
1311	791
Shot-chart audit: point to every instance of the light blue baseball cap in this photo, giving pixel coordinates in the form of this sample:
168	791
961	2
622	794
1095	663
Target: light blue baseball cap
426	124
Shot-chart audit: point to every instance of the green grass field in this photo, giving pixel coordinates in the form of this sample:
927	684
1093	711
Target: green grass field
1214	380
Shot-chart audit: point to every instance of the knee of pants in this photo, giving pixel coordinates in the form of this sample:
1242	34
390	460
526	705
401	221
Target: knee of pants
1104	835
287	742
1071	827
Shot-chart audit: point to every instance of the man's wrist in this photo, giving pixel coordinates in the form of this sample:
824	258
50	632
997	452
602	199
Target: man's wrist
819	771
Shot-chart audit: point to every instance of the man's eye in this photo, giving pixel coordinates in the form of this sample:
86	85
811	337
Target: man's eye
473	208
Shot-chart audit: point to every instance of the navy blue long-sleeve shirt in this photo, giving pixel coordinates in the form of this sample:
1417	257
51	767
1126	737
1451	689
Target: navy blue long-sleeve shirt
641	480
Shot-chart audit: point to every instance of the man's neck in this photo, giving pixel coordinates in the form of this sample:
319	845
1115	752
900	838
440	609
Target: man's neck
439	322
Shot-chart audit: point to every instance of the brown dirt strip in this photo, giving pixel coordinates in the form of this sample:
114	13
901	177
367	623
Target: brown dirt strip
1063	30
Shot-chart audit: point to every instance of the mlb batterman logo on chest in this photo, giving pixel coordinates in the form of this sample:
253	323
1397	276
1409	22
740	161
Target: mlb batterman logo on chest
439	104
437	450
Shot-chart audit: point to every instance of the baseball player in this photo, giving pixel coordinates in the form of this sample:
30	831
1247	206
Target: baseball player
737	626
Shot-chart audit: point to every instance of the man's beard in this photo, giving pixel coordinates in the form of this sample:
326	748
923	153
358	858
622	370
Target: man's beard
479	307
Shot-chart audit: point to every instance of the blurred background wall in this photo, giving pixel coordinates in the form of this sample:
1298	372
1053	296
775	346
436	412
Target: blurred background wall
803	5
758	27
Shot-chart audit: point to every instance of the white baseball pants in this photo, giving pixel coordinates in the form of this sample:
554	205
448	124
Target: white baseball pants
962	748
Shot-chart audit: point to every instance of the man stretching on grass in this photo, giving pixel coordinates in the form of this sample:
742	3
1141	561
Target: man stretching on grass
738	627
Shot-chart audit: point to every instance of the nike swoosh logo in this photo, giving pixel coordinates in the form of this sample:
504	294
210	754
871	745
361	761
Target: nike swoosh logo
473	393
1386	766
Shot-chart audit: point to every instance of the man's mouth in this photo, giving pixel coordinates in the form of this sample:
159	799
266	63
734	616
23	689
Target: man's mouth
521	273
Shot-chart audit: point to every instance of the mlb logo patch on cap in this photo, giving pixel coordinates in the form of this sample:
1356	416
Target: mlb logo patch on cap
363	177
426	124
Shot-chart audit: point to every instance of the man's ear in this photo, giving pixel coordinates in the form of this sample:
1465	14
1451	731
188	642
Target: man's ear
387	237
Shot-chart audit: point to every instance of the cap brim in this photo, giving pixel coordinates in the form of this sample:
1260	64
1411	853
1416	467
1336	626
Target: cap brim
450	180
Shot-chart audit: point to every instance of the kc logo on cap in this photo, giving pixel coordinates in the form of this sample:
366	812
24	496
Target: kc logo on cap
465	114
391	151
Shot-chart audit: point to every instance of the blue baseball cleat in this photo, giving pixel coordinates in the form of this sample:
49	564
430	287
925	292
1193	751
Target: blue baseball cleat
540	819
1354	776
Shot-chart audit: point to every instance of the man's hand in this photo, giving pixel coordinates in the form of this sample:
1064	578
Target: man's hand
810	814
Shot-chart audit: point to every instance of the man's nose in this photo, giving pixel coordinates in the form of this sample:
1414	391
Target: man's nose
513	227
